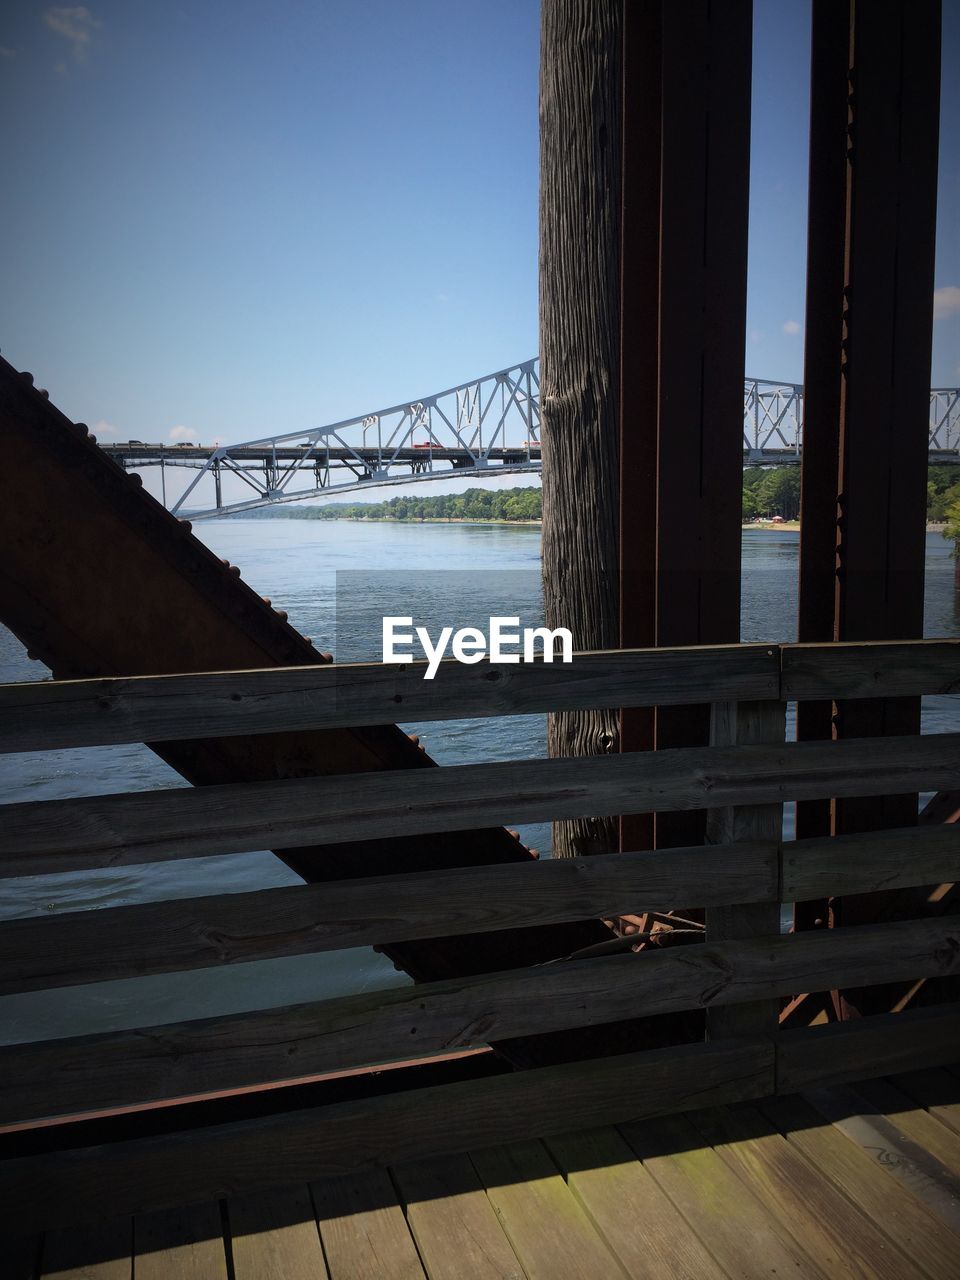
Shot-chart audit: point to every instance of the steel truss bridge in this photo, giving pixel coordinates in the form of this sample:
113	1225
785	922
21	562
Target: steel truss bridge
487	427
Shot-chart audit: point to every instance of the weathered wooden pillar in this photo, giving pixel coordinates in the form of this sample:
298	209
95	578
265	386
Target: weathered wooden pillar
650	308
580	103
872	223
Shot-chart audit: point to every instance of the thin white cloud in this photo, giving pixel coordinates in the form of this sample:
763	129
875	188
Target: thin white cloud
7	53
756	336
946	301
792	327
104	428
182	433
75	23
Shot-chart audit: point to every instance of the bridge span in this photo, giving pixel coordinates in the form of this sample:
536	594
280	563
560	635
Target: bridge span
487	427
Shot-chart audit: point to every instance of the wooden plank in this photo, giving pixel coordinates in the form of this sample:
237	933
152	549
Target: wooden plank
869	669
164	937
840	1239
180	1244
907	1223
74	713
546	1225
274	1234
741	724
132	1067
96	1251
937	1090
66	835
719	1206
862	862
912	1122
704	181
876	1046
363	1229
192	933
899	1155
630	1210
456	1230
53	1189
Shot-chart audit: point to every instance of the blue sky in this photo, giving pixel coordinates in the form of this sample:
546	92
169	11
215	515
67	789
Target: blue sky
235	219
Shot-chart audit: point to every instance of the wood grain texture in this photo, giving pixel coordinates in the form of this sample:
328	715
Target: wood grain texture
83	713
49	714
841	1241
180	1244
580	168
230	1159
869	669
364	1230
901	1218
742	724
126	1068
937	1090
915	1124
274	1234
67	835
876	1046
456	1230
908	1162
630	1210
863	862
717	1204
547	1226
189	933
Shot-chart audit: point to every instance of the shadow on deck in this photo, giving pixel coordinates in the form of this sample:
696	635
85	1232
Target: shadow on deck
858	1180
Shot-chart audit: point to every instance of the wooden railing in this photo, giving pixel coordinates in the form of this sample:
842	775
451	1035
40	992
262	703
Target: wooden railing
738	975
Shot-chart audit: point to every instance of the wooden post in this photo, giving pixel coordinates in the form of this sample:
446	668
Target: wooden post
870	277
733	724
580	107
685	183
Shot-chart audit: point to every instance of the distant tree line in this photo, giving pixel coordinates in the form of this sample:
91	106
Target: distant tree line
473	504
775	491
767	492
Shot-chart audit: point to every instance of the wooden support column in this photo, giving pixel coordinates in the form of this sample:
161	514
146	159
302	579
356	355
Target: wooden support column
639	366
745	724
873	176
686	148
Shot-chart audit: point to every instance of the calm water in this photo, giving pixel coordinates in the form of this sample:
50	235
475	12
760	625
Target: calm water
296	564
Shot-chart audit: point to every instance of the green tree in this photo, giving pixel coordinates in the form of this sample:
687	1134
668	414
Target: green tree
778	493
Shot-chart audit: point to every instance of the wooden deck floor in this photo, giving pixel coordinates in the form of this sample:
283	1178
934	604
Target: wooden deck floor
853	1182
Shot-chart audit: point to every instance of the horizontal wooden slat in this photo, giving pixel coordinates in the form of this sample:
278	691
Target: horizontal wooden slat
870	670
192	933
163	937
128	1068
70	835
70	713
868	861
868	1047
73	713
223	1160
217	1161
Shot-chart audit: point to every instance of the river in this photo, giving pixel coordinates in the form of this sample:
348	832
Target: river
320	572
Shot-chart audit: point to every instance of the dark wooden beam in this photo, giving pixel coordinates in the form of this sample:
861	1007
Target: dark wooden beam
58	835
872	224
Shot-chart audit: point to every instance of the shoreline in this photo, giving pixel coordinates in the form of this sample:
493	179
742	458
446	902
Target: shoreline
793	526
